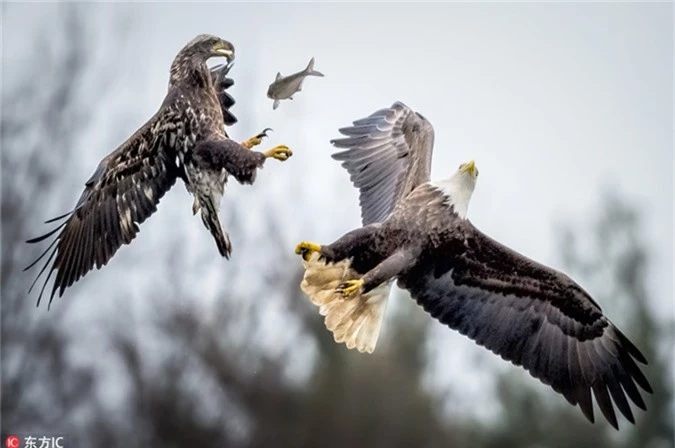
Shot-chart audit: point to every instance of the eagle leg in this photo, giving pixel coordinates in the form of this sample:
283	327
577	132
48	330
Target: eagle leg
256	140
306	249
350	245
391	267
345	247
281	152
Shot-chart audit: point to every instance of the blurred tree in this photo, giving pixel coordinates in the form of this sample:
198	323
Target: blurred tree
611	254
377	400
190	376
205	391
42	117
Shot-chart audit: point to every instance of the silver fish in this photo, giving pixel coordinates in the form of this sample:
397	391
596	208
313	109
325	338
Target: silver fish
284	87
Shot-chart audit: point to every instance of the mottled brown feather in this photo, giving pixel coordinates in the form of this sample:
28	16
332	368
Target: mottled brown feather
129	183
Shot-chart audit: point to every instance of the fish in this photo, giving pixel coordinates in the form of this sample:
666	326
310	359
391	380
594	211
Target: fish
284	87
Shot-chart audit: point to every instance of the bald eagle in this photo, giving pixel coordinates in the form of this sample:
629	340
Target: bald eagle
185	139
416	233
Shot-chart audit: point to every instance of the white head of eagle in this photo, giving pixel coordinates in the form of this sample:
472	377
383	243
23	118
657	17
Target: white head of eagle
415	233
459	187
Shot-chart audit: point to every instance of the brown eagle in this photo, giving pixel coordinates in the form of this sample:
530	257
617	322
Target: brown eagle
416	233
185	139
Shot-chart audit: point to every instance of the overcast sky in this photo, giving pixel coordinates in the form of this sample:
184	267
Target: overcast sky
556	103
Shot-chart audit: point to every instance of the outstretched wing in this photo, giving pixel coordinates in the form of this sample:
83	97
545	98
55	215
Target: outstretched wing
122	193
387	155
531	315
221	83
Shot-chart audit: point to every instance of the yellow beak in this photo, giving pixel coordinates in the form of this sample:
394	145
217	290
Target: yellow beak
223	49
470	168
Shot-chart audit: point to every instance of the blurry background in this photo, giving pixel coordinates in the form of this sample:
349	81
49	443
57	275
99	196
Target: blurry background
567	110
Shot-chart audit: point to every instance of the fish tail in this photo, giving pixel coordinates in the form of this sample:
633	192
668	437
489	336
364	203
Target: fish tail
310	69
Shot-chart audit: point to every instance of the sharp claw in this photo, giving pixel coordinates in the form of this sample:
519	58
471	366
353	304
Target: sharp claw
349	288
255	141
264	133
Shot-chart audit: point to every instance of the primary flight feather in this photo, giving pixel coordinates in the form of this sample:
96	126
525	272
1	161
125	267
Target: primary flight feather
416	233
185	140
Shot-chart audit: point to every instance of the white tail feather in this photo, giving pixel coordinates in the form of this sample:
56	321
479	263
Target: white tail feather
356	321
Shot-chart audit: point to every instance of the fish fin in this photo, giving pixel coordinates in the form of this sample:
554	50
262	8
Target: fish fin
310	69
276	104
278	76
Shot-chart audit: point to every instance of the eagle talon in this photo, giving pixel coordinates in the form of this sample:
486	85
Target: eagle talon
281	152
264	133
306	249
255	141
349	288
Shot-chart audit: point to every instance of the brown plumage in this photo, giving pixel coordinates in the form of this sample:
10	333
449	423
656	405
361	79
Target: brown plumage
221	83
185	139
418	236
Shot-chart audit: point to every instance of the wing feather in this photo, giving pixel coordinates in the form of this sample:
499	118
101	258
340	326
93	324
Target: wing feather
387	154
114	202
221	83
534	317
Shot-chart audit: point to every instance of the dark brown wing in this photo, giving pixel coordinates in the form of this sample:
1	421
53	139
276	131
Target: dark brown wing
530	315
123	192
221	83
387	155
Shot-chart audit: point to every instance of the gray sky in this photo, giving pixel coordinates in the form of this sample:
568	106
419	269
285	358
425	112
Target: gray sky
555	102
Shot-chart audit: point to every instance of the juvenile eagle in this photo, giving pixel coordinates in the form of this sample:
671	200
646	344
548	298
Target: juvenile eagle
416	232
185	139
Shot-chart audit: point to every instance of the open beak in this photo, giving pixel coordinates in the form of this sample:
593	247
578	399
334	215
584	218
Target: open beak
470	168
226	50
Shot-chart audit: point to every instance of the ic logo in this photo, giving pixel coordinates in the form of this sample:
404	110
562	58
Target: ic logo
12	442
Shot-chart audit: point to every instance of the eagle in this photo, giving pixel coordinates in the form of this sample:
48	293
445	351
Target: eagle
416	232
185	139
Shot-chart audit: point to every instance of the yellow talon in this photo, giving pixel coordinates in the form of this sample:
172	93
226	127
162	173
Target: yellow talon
306	249
255	141
349	288
281	152
251	142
